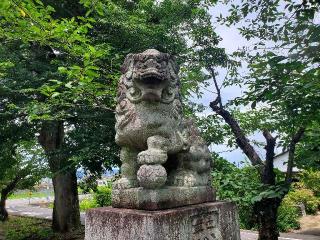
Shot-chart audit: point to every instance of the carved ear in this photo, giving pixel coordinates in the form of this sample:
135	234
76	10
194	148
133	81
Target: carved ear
127	62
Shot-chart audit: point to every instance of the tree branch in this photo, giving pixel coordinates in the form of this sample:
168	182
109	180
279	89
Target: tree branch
268	175
292	147
218	99
241	139
10	187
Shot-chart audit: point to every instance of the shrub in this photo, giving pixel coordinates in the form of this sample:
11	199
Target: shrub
103	196
311	179
288	218
87	204
242	186
304	196
239	185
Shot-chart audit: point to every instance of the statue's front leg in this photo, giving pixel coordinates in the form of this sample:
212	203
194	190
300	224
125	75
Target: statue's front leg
151	173
129	167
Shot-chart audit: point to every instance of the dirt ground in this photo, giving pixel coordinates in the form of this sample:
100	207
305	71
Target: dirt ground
310	225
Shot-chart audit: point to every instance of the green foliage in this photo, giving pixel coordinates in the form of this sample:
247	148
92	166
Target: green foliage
86	204
283	78
77	57
24	166
212	129
103	196
244	182
282	81
23	228
242	186
273	191
27	228
302	196
288	217
311	179
239	186
61	61
309	151
88	184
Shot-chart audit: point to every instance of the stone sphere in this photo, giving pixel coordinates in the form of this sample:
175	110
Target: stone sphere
152	176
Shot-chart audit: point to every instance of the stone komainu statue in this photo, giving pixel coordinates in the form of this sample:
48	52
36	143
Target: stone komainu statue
160	149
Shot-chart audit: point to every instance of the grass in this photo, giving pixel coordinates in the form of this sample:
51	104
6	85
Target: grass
84	205
21	195
25	228
32	194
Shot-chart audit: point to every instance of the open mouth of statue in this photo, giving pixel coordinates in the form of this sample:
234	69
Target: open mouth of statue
151	84
151	76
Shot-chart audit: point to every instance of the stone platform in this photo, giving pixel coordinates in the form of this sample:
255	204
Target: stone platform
207	221
164	198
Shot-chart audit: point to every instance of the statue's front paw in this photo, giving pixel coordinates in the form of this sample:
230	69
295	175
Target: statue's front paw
152	156
125	183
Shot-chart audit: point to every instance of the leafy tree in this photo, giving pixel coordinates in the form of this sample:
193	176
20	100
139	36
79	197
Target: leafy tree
21	167
308	151
282	90
21	161
62	62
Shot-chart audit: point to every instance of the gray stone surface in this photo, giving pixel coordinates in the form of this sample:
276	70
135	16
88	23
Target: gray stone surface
159	147
208	221
169	197
21	207
166	165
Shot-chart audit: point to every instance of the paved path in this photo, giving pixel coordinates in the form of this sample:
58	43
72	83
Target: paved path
21	207
250	235
35	211
37	200
28	207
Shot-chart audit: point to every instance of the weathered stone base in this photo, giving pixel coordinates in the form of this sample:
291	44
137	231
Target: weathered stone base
207	221
164	198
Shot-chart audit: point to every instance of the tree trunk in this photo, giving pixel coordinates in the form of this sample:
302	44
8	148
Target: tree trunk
66	212
4	195
3	211
292	147
265	210
266	215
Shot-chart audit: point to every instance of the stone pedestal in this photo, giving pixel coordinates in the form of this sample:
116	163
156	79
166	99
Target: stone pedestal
163	198
207	221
